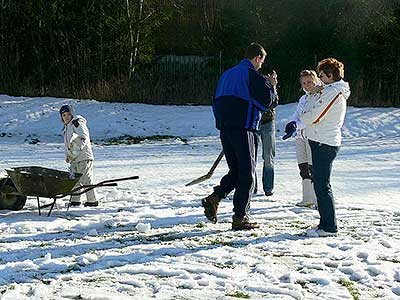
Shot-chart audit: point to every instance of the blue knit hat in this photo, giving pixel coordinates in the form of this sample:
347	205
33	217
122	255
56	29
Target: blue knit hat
66	108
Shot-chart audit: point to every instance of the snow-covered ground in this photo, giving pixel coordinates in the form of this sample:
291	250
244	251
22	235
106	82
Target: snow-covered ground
149	238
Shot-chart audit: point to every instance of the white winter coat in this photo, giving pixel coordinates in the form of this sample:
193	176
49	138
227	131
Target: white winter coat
297	113
324	113
77	140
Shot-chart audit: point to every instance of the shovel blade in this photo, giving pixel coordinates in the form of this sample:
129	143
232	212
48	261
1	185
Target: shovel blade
198	180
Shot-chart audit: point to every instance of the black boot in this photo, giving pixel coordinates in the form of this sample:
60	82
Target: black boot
210	204
96	203
243	223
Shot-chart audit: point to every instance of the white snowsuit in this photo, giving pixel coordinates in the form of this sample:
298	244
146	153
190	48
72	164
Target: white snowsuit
303	154
78	151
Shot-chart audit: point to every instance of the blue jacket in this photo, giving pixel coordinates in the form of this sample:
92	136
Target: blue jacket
242	95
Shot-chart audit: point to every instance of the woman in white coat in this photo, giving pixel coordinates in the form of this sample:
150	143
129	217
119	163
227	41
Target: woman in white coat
324	117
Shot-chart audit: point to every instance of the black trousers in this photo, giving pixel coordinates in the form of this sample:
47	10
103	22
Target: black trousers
239	149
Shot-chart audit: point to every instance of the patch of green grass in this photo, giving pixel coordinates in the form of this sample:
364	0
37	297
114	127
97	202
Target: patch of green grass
169	237
201	225
378	295
45	281
95	279
378	223
224	266
278	254
178	297
219	241
130	140
351	288
120	240
303	283
165	137
30	292
299	224
394	260
238	294
184	287
72	268
355	208
108	226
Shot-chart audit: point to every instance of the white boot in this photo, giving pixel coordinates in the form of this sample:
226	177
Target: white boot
310	192
309	197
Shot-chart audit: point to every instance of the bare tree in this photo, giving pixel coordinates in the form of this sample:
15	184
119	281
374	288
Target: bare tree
134	37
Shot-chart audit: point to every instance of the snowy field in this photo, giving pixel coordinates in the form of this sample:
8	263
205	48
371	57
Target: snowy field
149	238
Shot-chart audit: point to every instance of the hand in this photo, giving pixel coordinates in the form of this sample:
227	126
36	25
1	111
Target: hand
316	89
290	129
273	78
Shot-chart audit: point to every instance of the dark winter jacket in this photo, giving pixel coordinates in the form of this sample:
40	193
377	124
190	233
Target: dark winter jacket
242	95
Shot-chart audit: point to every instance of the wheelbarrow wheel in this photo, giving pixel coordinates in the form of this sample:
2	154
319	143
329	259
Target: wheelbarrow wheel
9	199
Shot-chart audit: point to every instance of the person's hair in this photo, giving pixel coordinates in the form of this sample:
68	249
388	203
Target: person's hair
311	73
253	50
331	66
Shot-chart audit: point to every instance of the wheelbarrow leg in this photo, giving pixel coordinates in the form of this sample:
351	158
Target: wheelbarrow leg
51	206
69	203
38	205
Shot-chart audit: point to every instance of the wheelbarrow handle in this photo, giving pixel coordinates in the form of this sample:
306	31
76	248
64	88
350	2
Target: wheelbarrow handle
119	179
83	189
109	182
87	188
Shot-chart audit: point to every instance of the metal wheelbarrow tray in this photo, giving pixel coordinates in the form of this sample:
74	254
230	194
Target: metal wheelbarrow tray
42	182
49	183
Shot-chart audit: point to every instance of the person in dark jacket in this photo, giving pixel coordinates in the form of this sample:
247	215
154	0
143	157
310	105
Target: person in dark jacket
242	95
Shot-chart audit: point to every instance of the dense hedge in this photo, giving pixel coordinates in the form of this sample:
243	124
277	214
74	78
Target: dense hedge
86	48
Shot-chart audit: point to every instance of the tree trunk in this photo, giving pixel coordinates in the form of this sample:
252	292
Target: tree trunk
134	38
139	18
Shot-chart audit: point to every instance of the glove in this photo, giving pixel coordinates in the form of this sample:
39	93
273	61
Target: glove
290	129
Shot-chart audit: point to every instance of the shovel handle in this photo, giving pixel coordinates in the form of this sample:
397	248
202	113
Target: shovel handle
215	164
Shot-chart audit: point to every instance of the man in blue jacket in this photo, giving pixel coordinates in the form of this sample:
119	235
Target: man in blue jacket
242	95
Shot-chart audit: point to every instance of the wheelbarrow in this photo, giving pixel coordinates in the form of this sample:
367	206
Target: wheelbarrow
49	183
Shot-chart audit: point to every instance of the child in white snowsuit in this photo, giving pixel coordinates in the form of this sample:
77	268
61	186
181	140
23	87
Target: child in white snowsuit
78	151
309	82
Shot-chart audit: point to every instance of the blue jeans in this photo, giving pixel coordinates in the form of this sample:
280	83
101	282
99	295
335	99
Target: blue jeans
322	158
267	133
